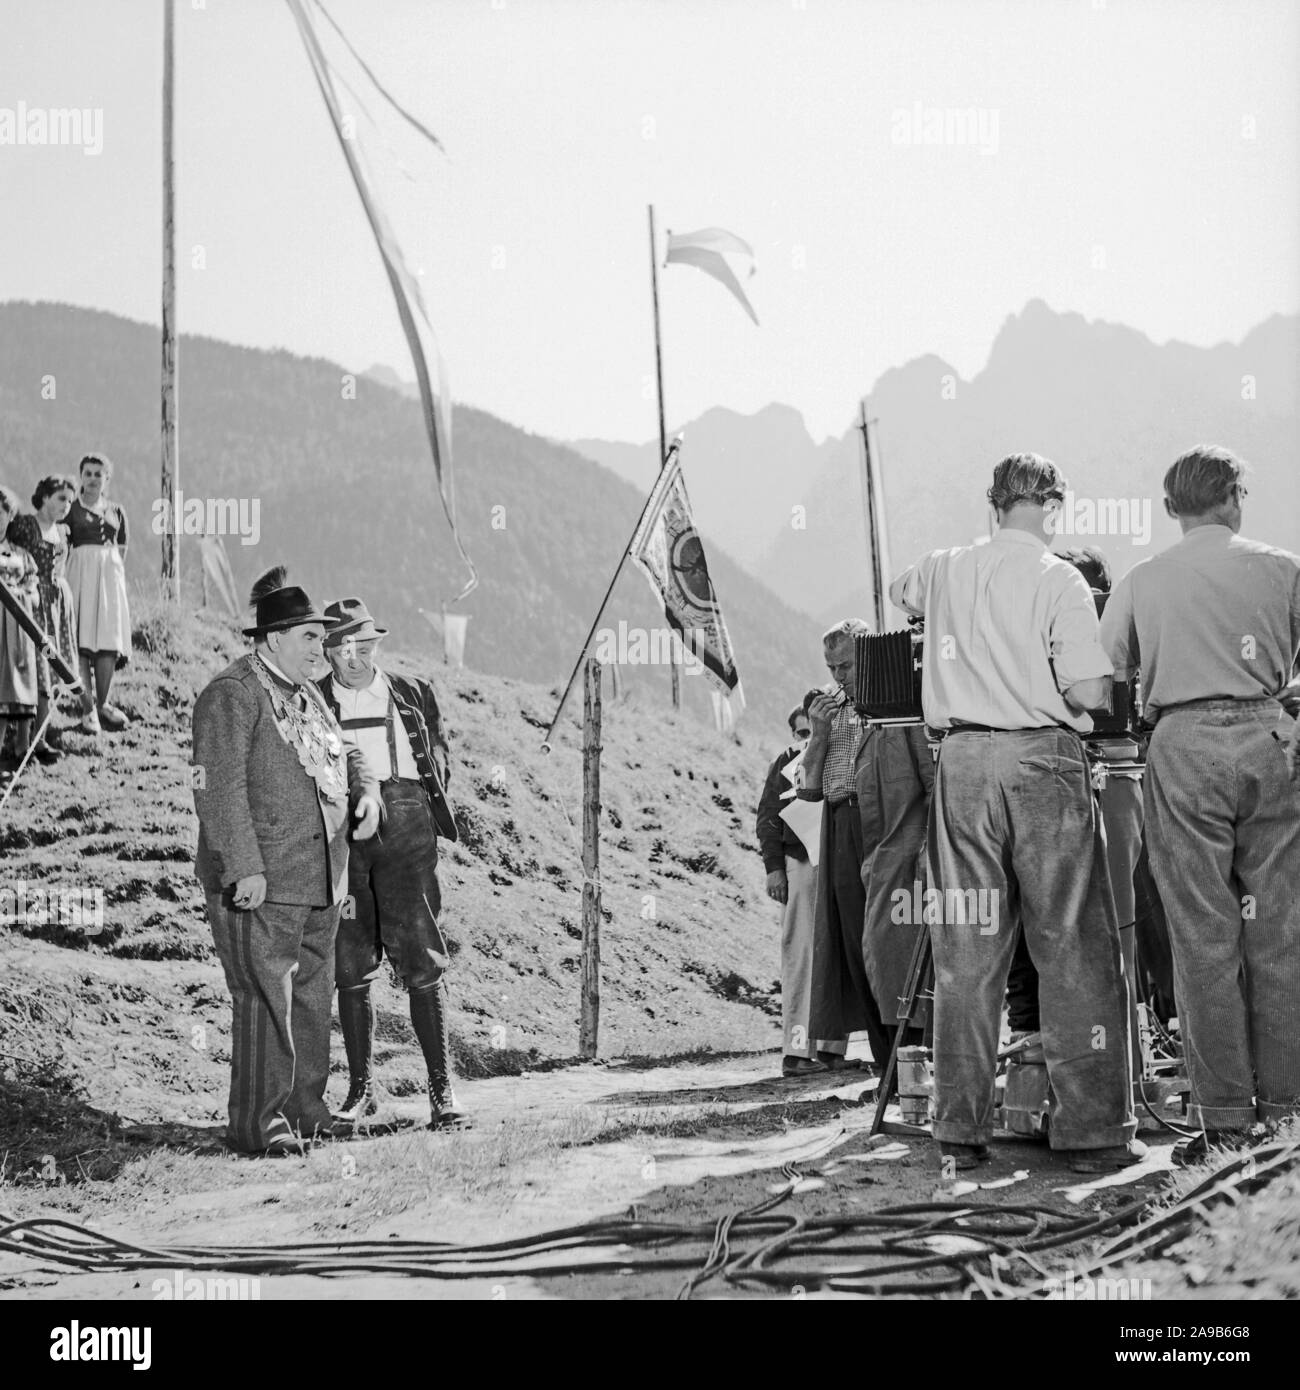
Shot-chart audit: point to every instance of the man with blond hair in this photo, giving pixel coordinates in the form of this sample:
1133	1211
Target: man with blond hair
1214	624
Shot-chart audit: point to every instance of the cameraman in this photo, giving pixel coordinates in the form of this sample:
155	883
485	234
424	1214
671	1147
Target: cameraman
1214	622
1012	664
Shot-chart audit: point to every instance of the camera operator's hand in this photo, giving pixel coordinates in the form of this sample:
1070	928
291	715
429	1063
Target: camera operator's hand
777	887
820	713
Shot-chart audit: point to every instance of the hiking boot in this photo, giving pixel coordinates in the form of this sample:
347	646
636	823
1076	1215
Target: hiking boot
965	1155
429	1019
1108	1160
445	1112
802	1066
359	1104
357	1024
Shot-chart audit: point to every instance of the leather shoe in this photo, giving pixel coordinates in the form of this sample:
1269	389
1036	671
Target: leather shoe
802	1066
965	1155
1108	1160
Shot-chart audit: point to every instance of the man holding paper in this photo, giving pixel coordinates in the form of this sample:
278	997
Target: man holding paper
789	832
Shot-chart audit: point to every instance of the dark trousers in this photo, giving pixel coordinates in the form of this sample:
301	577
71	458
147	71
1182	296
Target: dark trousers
843	999
279	964
393	898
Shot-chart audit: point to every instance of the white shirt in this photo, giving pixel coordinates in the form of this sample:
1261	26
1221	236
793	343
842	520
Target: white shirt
1008	626
371	702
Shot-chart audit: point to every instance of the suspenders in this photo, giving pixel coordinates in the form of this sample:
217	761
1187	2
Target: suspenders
380	722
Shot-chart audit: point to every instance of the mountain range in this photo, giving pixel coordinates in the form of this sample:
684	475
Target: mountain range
338	466
1111	407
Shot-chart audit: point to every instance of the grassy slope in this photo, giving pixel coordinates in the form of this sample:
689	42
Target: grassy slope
139	1014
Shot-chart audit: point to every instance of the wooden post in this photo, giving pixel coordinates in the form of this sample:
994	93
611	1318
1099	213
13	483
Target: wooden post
169	582
873	525
590	860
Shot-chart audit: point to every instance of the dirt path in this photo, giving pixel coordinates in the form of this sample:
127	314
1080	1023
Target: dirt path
680	1143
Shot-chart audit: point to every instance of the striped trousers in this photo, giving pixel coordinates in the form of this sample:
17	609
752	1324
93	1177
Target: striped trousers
279	965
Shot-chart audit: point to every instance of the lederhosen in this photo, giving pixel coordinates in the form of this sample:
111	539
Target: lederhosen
393	897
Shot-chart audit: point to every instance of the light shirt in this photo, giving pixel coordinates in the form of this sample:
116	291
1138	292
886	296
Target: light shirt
372	702
1008	626
1214	617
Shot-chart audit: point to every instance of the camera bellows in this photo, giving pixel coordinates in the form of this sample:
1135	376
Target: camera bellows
888	682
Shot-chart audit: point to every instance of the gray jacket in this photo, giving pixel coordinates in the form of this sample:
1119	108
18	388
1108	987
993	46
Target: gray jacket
259	811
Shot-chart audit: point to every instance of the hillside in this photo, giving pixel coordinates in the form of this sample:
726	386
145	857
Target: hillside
1110	406
338	466
139	1014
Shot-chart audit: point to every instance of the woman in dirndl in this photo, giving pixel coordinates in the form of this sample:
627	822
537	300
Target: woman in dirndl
97	578
44	536
17	650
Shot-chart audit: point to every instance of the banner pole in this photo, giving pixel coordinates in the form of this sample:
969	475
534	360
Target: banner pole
663	438
600	612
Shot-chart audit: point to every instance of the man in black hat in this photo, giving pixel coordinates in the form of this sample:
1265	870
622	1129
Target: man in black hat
393	897
273	782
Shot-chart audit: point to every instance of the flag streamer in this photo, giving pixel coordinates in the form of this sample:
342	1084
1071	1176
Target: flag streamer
430	369
707	250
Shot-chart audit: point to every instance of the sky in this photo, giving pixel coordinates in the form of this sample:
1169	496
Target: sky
1136	161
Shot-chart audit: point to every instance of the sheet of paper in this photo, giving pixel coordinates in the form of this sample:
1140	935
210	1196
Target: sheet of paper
805	819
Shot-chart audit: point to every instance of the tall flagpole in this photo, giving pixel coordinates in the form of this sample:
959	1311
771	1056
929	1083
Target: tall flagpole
663	435
169	582
873	524
595	622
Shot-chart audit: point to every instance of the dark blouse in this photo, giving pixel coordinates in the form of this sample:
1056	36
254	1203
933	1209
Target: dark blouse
89	528
50	556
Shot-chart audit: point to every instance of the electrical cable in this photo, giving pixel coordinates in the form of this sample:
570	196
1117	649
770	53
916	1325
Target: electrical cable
923	1248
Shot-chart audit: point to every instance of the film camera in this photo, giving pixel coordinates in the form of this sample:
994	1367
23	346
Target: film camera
1121	722
888	682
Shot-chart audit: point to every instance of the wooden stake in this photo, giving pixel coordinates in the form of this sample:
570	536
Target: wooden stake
169	582
590	860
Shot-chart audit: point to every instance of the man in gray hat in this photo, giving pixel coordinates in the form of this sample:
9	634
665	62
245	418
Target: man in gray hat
273	781
393	896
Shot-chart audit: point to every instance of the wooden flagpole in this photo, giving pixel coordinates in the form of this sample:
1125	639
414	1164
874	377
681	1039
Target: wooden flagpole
590	1018
873	524
663	437
169	582
622	560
